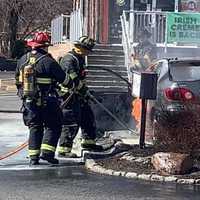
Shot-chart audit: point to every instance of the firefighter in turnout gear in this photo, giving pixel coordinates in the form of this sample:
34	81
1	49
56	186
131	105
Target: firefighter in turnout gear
37	75
78	112
145	51
144	56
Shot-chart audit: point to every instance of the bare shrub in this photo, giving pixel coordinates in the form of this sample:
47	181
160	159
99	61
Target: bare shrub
20	17
182	134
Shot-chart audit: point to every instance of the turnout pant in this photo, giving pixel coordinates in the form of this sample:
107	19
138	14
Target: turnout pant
77	114
45	125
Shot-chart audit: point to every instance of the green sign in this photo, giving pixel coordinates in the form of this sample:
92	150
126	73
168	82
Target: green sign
183	28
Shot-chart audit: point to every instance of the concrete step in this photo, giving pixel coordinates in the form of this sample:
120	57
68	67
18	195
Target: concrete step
112	67
105	78
108	89
106	62
109	57
107	51
106	56
94	72
108	77
113	47
106	83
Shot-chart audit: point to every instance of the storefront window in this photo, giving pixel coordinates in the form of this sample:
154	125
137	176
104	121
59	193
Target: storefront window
165	5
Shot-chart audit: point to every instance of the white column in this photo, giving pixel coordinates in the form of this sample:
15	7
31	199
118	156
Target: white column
154	5
176	6
132	2
81	6
131	20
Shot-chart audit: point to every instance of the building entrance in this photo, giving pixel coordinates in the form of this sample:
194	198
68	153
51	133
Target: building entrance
116	8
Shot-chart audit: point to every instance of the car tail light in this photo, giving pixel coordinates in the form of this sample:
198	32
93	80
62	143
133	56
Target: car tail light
178	94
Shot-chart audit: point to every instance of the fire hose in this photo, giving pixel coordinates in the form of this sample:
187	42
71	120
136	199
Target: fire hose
101	105
64	103
14	151
25	144
111	114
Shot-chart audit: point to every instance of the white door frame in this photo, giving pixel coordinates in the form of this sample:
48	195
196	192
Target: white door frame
176	6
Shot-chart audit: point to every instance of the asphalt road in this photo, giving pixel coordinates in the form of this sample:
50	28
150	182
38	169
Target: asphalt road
75	183
9	102
70	182
7	74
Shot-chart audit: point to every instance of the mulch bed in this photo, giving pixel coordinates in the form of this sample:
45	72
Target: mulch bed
119	164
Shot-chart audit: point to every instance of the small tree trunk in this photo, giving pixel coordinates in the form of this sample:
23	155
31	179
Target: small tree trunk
12	33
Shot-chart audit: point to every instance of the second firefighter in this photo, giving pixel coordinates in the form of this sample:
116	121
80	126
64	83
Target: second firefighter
77	113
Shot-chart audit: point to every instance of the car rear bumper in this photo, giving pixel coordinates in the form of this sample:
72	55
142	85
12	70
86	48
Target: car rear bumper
172	114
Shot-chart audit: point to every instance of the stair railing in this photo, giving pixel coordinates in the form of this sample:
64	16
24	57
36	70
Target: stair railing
67	27
132	22
60	27
126	41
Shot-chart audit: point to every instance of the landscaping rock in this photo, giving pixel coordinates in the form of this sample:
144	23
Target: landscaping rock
155	177
172	163
131	175
186	181
170	179
144	176
197	181
136	163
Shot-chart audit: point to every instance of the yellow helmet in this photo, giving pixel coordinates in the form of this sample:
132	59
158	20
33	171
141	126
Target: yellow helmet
85	42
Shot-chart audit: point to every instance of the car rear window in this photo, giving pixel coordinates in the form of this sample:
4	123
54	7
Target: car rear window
185	71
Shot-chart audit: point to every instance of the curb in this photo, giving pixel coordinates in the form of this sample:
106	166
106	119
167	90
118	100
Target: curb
64	163
91	165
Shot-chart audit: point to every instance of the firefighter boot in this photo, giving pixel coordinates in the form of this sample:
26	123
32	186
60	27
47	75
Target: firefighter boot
34	162
91	145
49	158
67	155
65	152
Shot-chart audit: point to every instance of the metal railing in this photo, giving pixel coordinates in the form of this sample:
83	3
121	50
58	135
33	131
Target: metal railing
60	29
76	25
67	27
154	21
126	43
132	22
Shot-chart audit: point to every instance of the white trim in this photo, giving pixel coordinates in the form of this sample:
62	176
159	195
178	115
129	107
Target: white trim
176	5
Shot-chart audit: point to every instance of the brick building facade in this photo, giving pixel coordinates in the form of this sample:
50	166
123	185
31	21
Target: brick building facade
102	17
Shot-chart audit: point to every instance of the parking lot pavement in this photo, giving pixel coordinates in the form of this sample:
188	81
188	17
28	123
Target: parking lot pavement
6	75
